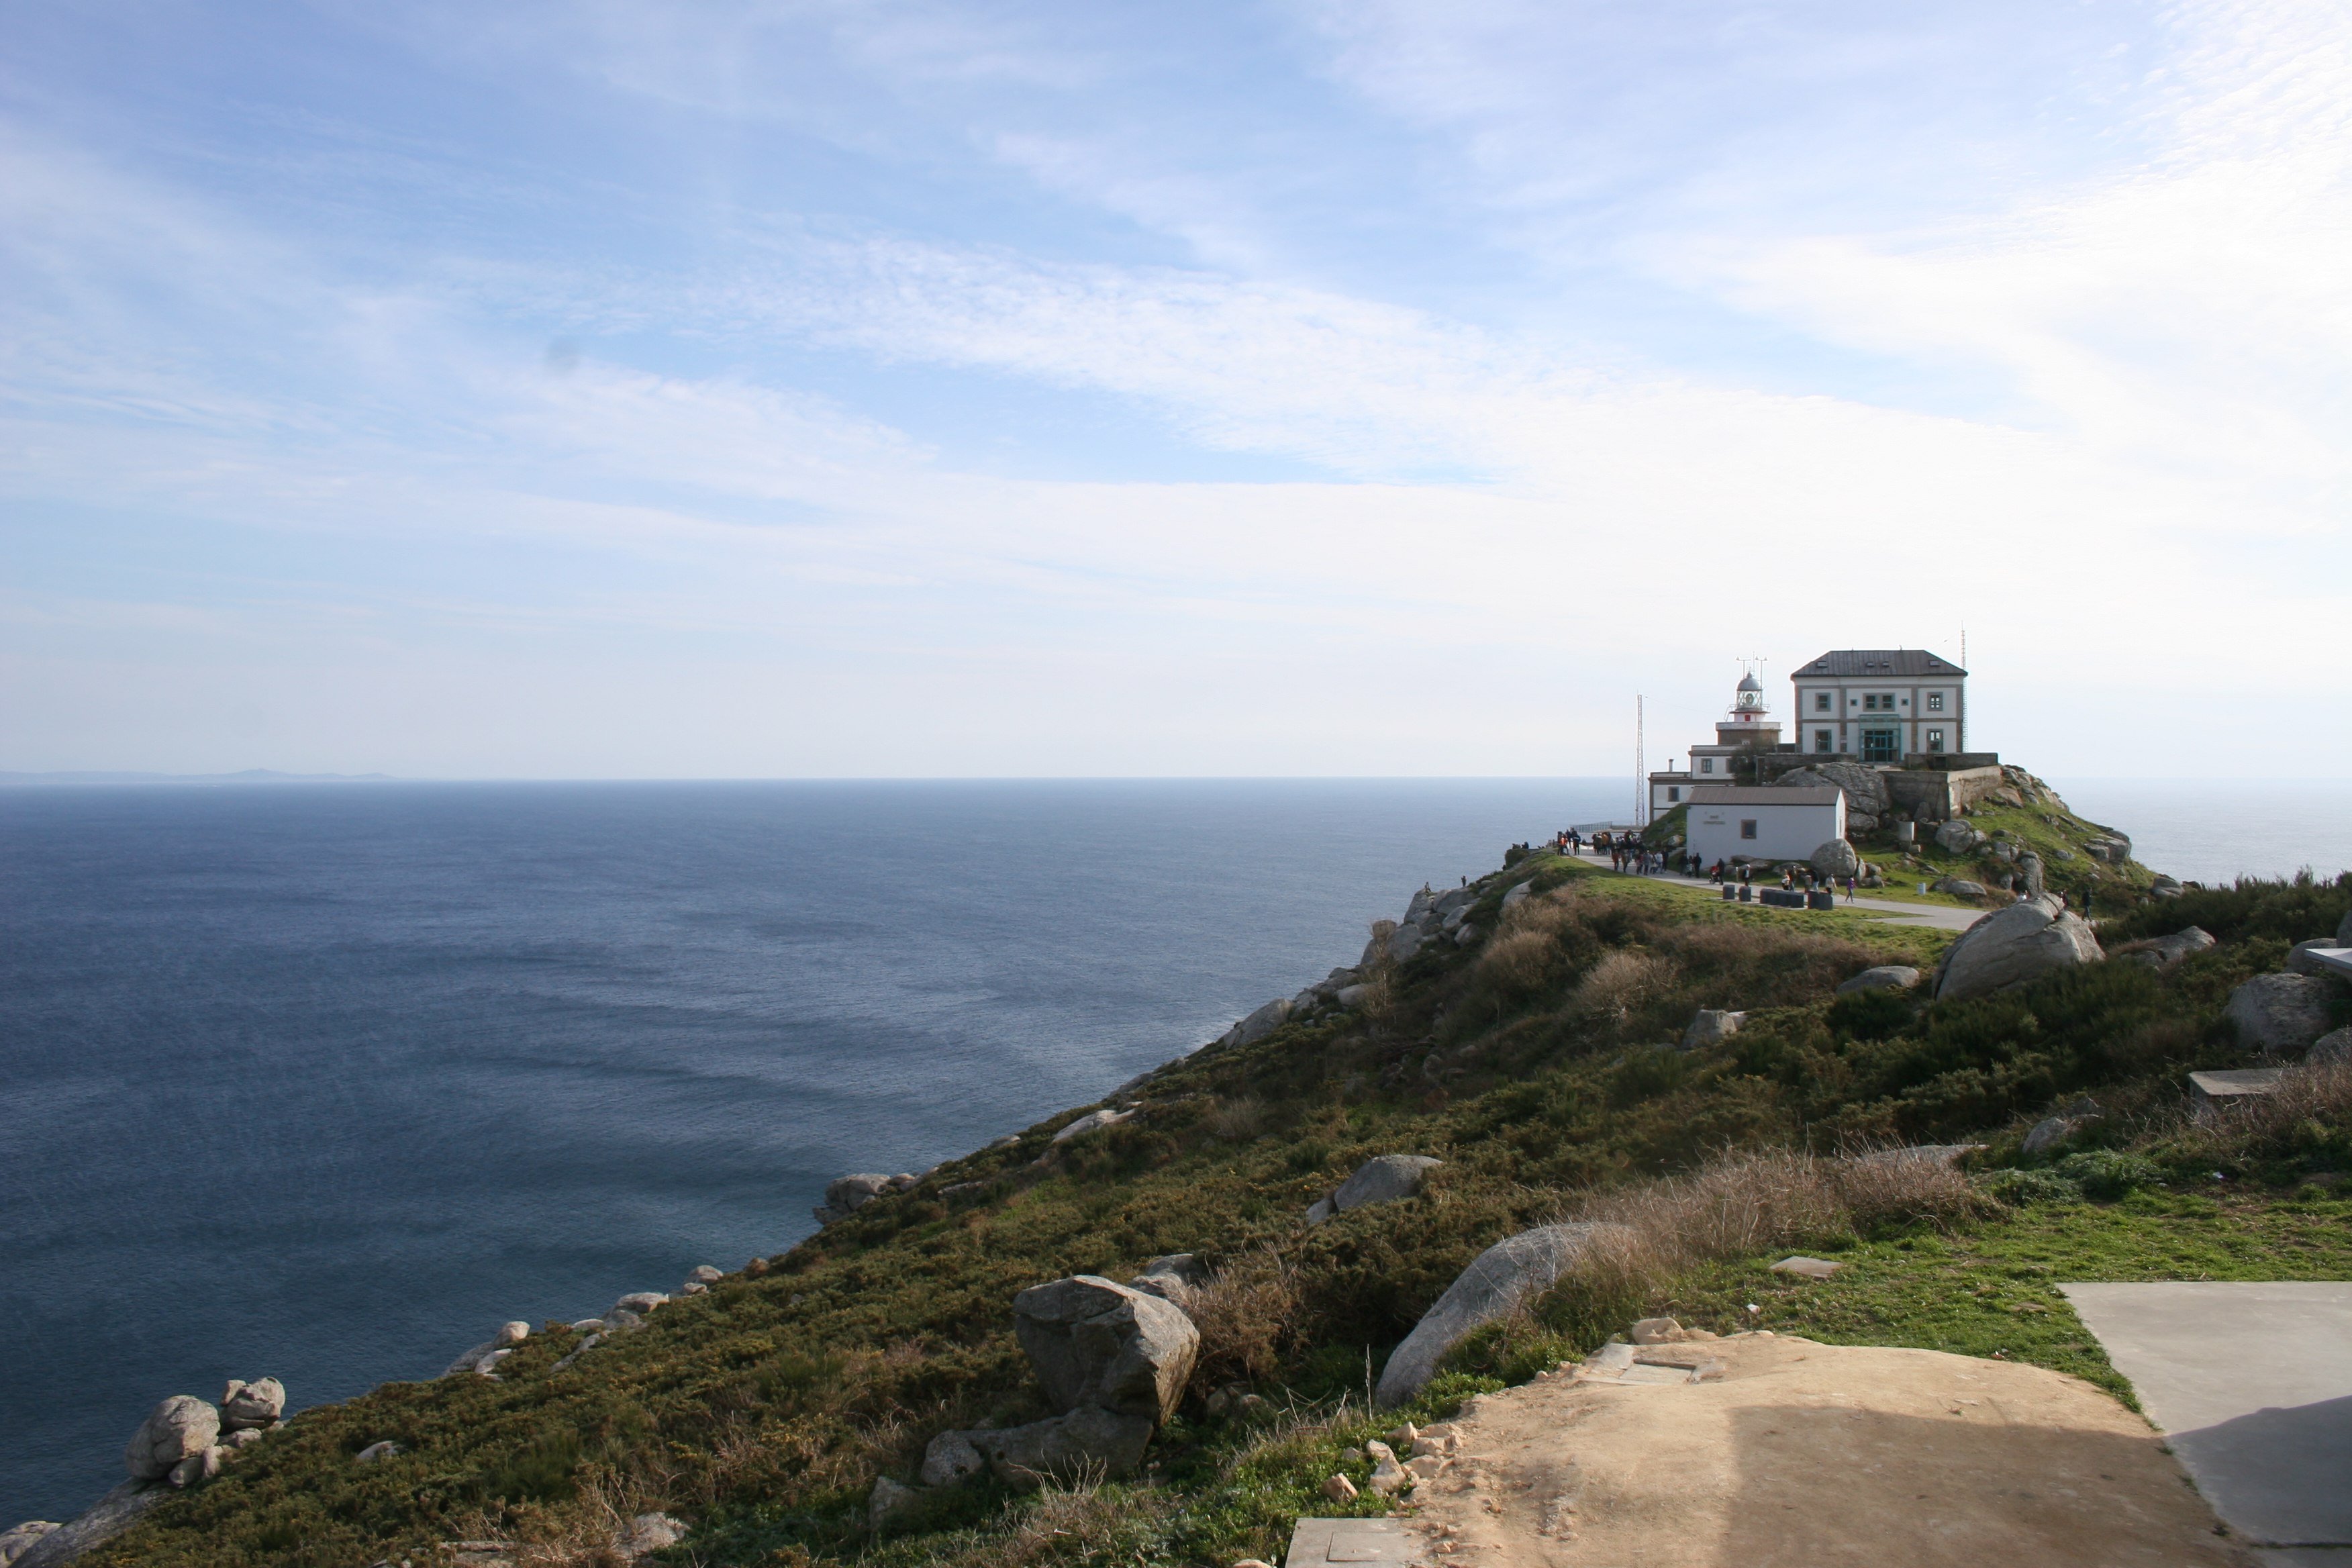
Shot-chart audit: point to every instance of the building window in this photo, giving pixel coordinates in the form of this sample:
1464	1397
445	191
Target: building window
1869	702
1821	702
1674	794
1934	739
1746	827
1934	703
1706	765
1821	740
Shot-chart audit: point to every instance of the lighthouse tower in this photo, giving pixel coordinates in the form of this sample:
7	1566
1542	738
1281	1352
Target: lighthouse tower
1750	722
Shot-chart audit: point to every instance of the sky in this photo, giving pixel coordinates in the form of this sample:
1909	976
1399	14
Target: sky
1027	388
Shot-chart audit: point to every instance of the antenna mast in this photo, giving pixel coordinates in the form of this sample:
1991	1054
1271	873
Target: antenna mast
1641	773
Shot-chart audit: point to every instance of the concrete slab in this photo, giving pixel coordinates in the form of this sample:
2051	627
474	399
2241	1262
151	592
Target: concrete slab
2251	1383
1358	1542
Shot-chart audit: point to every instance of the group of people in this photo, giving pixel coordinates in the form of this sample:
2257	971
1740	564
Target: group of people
1628	854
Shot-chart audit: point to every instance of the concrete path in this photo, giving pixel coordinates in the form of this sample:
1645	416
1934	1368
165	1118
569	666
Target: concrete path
2253	1385
1934	916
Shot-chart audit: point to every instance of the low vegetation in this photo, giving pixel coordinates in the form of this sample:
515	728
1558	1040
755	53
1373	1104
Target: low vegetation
1541	1066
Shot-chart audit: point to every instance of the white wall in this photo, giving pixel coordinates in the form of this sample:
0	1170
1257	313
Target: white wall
1782	832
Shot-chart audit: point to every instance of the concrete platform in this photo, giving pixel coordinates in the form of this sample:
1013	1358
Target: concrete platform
2251	1384
1359	1542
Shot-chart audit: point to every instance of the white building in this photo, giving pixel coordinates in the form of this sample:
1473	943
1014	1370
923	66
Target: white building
1880	705
1735	822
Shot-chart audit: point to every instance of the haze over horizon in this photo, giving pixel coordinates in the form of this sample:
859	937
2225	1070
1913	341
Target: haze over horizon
1022	389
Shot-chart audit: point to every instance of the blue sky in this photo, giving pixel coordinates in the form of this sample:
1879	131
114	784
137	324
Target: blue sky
912	388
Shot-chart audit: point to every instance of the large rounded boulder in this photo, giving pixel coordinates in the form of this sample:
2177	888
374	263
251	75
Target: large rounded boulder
1512	1272
1100	1345
2011	947
181	1427
2280	1014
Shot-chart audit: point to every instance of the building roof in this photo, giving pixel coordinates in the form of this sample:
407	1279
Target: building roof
1765	794
1867	663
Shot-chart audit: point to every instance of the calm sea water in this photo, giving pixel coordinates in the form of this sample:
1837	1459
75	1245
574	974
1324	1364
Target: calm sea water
325	1082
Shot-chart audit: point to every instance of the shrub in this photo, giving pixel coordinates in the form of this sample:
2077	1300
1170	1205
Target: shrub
2019	1189
2110	1173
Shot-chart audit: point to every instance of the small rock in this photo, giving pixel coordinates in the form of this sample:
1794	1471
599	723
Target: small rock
1388	1476
1006	1142
1960	887
589	1326
197	1467
243	1437
694	1288
704	1274
888	1499
1711	1027
1339	1488
1425	1467
640	1301
1807	1268
1958	838
512	1333
1653	1330
1881	977
2331	1049
649	1532
375	1451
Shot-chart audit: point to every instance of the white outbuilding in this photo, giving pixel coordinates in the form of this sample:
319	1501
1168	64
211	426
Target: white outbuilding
1735	822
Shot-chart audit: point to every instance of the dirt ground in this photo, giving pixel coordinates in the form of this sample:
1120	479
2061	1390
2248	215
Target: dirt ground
1820	1456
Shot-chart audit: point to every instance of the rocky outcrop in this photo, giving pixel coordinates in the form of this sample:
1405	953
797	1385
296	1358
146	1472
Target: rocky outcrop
1381	1179
484	1358
2032	938
2160	951
1711	1027
1511	1271
1881	977
1866	800
2281	1015
113	1514
1257	1026
2163	887
845	1195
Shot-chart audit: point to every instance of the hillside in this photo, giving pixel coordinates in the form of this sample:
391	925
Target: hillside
1540	1062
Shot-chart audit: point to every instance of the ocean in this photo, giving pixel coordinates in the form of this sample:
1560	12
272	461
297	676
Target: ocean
324	1082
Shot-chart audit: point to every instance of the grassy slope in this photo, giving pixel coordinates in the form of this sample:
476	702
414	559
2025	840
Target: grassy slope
1533	1065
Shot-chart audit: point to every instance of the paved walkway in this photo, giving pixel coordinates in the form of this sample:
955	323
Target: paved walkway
2253	1385
1934	916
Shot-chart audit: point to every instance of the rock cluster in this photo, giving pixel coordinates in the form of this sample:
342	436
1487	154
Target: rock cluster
1113	1360
845	1195
2164	951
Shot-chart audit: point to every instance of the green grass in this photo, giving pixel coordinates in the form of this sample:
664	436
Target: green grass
1991	1290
